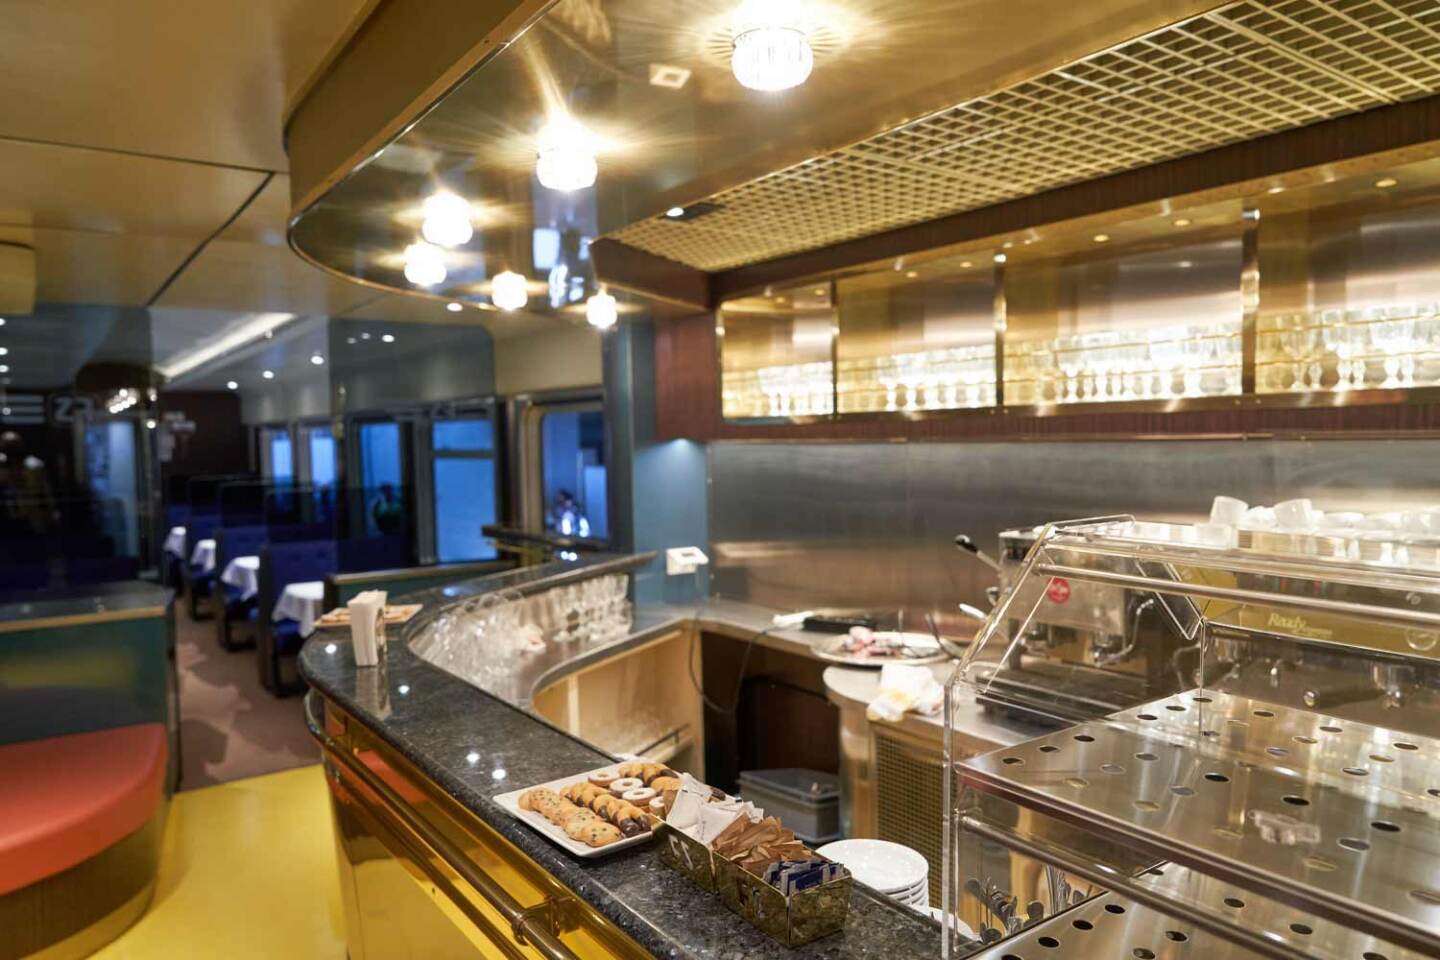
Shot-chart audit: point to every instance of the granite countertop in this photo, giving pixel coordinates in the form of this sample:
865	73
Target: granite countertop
477	745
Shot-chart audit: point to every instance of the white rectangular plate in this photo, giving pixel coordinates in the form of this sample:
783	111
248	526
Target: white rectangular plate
510	802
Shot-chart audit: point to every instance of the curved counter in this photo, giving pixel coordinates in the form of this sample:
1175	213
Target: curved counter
445	748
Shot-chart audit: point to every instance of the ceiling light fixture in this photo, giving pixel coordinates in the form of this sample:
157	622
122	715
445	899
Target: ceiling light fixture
388	338
447	219
1386	183
1001	258
253	327
4	351
231	385
1183	222
508	291
317	359
150	424
565	150
675	213
454	307
2	321
602	310
1274	190
4	368
1102	238
268	374
424	264
770	46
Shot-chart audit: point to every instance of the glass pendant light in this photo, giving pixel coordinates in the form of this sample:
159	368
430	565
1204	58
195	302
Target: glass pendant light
424	264
602	310
508	291
447	220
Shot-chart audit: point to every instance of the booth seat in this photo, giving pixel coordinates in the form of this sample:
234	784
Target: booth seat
199	583
282	564
68	799
229	605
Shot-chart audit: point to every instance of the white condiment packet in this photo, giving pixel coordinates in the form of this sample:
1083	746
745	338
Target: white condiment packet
685	812
715	817
366	630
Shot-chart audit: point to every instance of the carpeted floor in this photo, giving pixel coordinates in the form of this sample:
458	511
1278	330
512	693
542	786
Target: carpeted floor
230	727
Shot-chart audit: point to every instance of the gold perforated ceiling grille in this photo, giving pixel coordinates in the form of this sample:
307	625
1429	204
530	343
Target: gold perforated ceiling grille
1237	73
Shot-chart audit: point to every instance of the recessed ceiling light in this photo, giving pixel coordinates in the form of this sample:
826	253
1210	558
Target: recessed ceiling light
364	336
150	424
4	368
1102	238
317	359
447	219
1008	244
668	76
4	411
1001	258
819	291
1186	264
2	321
912	274
770	46
454	307
268	374
4	351
1275	190
388	338
350	340
1183	222
966	264
565	150
231	385
1386	183
675	213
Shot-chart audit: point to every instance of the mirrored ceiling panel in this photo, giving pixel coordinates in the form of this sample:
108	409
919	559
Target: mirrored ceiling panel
610	112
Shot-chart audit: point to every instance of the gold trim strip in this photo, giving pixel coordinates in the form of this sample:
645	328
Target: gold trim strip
82	619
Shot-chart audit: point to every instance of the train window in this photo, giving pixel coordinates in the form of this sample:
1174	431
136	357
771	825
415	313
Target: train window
572	444
277	455
382	478
465	488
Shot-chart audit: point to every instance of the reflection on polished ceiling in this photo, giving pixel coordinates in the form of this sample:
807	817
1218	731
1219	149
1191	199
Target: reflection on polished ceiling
652	82
1243	71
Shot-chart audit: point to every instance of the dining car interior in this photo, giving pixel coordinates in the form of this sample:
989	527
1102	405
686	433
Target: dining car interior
720	479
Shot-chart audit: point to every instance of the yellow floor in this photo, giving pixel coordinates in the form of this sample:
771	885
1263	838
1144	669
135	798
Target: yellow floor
248	871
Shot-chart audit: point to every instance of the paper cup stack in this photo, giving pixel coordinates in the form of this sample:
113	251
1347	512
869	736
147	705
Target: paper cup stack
893	869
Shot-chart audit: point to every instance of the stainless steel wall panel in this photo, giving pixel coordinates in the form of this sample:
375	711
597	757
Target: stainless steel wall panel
871	525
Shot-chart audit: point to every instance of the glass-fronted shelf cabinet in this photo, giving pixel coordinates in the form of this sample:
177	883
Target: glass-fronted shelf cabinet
1238	745
1328	289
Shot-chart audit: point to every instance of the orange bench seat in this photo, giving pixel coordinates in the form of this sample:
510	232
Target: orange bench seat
64	800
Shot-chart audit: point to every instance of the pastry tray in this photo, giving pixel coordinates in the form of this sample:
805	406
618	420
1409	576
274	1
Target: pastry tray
510	803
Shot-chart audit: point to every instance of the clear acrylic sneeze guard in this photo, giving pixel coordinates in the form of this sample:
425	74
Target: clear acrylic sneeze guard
1237	748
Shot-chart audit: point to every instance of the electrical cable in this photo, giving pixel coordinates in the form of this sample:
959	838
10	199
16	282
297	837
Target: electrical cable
734	707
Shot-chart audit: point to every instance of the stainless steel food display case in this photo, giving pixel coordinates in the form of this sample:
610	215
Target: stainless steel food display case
1244	755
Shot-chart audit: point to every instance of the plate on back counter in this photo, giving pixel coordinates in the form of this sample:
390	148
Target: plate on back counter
885	646
510	803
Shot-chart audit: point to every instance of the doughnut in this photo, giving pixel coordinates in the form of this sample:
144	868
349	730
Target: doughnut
625	784
640	796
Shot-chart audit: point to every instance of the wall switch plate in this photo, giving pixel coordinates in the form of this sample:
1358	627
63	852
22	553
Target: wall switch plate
682	560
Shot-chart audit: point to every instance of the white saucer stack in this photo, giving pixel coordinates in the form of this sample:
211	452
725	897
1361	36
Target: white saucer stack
893	869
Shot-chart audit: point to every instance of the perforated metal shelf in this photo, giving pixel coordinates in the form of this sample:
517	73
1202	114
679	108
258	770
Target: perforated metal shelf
1332	817
1115	926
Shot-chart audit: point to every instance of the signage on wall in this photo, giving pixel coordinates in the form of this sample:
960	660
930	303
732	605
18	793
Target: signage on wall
22	409
68	408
